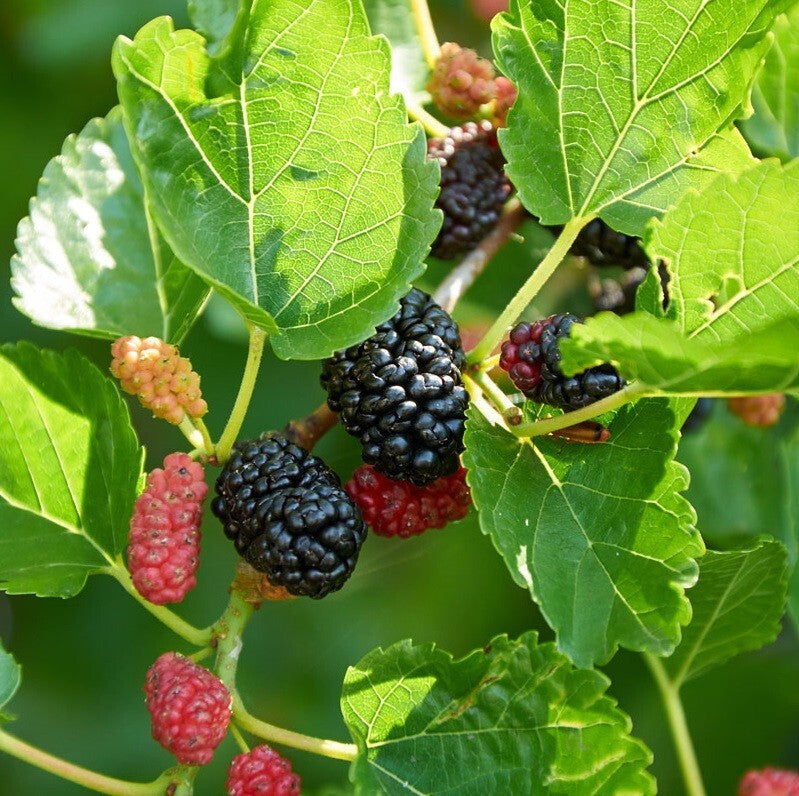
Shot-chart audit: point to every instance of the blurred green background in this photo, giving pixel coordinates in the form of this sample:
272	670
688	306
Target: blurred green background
84	660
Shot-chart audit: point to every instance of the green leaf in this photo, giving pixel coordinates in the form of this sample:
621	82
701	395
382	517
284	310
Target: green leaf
214	19
732	319
512	718
394	20
89	259
622	107
599	534
69	471
10	677
773	129
737	606
744	483
284	174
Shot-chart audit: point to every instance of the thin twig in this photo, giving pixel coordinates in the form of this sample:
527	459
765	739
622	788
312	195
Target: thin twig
308	431
460	279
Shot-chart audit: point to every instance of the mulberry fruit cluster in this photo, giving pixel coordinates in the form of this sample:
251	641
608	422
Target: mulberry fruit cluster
397	508
531	357
474	187
288	516
761	411
400	392
164	542
159	377
461	82
261	772
601	245
189	708
769	782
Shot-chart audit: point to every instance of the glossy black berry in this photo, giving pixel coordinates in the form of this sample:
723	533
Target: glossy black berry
473	186
601	245
400	392
288	516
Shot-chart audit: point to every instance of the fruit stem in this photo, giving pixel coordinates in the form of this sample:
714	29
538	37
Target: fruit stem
254	353
551	424
239	738
269	732
191	432
529	290
461	278
670	694
227	635
82	776
426	31
208	445
179	626
502	402
433	127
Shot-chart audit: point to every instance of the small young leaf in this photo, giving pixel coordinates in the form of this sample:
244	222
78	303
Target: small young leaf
10	677
622	107
599	534
732	318
285	174
89	259
773	129
69	472
737	605
512	718
394	20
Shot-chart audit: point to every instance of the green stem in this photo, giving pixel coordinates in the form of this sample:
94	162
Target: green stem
231	432
239	738
432	126
529	290
187	631
227	632
426	31
269	732
670	695
480	380
208	444
541	427
79	775
191	432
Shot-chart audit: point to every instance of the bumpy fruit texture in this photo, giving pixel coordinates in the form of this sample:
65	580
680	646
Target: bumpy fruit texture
601	245
164	542
531	357
400	392
158	376
474	187
288	516
769	782
503	101
617	295
461	82
261	772
761	411
398	508
189	708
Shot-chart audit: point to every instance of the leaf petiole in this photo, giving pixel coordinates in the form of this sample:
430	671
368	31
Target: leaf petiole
670	694
426	31
529	290
254	353
82	776
432	126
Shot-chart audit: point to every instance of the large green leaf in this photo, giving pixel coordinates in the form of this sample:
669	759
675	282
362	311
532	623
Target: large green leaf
68	474
284	173
214	19
394	20
89	258
732	319
773	129
599	534
737	606
622	106
744	482
512	718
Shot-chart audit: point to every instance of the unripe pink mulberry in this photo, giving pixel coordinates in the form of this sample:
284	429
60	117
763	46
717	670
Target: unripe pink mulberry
189	708
162	380
461	82
261	772
164	543
761	411
505	97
